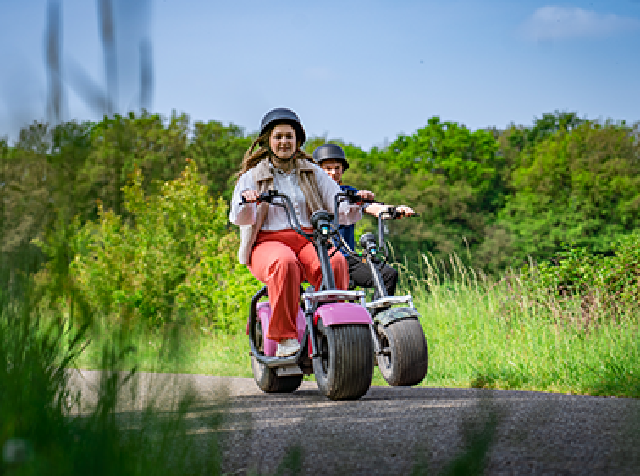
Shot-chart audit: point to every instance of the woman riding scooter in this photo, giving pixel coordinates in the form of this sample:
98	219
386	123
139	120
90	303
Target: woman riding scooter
274	253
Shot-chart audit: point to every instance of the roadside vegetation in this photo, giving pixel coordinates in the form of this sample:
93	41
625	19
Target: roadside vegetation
518	332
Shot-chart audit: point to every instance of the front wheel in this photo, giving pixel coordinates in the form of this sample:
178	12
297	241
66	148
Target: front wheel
344	368
404	359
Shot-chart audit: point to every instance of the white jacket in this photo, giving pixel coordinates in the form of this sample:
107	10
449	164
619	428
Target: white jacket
245	215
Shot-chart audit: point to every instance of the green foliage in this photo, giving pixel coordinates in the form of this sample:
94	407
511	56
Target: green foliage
177	258
219	151
579	186
621	273
512	333
522	138
24	197
611	283
448	174
53	174
120	144
217	289
47	423
497	196
575	271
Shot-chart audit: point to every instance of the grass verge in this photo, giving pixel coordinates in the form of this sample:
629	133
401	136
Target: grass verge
472	343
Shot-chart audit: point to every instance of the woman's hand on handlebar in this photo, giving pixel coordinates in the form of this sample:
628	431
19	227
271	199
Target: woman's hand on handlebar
250	196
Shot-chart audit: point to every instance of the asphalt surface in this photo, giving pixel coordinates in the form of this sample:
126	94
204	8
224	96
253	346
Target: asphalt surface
397	430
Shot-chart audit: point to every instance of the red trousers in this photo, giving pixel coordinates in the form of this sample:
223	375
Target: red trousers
283	260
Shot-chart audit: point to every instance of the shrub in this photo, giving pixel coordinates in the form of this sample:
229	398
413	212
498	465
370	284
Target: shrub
621	273
176	261
606	286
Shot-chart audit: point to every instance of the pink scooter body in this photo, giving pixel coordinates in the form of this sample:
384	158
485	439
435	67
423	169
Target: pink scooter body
331	314
264	314
342	313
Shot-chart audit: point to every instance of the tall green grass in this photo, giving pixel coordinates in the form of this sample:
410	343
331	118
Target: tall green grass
480	332
511	335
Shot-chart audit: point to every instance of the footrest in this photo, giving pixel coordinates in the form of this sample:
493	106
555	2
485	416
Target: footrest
289	371
390	301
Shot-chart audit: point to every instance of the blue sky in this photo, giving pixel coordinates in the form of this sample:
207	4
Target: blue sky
361	71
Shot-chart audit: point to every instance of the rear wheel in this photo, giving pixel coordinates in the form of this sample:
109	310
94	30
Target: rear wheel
267	379
404	360
344	368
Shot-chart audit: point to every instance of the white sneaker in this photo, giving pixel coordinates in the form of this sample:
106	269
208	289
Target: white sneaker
287	347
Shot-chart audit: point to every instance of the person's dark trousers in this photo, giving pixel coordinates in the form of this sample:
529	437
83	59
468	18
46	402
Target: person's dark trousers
360	275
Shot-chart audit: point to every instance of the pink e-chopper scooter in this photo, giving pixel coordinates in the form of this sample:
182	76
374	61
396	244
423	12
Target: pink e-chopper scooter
335	330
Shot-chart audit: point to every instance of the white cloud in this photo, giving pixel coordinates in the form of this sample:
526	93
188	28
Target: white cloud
554	23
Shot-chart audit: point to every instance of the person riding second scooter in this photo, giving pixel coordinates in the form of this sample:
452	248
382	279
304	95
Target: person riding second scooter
332	159
274	253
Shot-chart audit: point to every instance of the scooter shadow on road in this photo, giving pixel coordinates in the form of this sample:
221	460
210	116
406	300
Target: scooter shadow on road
383	393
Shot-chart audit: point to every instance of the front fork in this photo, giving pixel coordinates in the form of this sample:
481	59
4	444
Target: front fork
308	316
374	336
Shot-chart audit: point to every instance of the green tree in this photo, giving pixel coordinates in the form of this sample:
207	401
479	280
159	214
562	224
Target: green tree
219	149
448	174
577	186
24	198
120	144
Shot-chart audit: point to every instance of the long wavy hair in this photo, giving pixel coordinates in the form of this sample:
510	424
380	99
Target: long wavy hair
253	157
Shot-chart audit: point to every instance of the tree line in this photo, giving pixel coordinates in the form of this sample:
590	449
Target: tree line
495	197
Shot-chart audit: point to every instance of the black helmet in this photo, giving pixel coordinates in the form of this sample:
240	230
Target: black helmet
330	152
281	115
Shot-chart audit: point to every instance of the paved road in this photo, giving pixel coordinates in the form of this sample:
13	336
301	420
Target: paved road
391	430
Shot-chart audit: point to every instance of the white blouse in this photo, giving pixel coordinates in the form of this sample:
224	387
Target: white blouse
287	183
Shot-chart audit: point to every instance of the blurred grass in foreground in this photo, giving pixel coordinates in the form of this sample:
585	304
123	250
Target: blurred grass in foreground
47	426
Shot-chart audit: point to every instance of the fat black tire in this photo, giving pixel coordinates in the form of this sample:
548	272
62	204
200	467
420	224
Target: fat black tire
405	359
267	379
344	368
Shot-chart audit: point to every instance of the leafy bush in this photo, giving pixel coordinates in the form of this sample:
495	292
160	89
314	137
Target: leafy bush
572	272
175	261
609	285
217	289
621	273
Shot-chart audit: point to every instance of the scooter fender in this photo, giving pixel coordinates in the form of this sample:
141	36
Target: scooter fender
386	317
263	310
342	313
